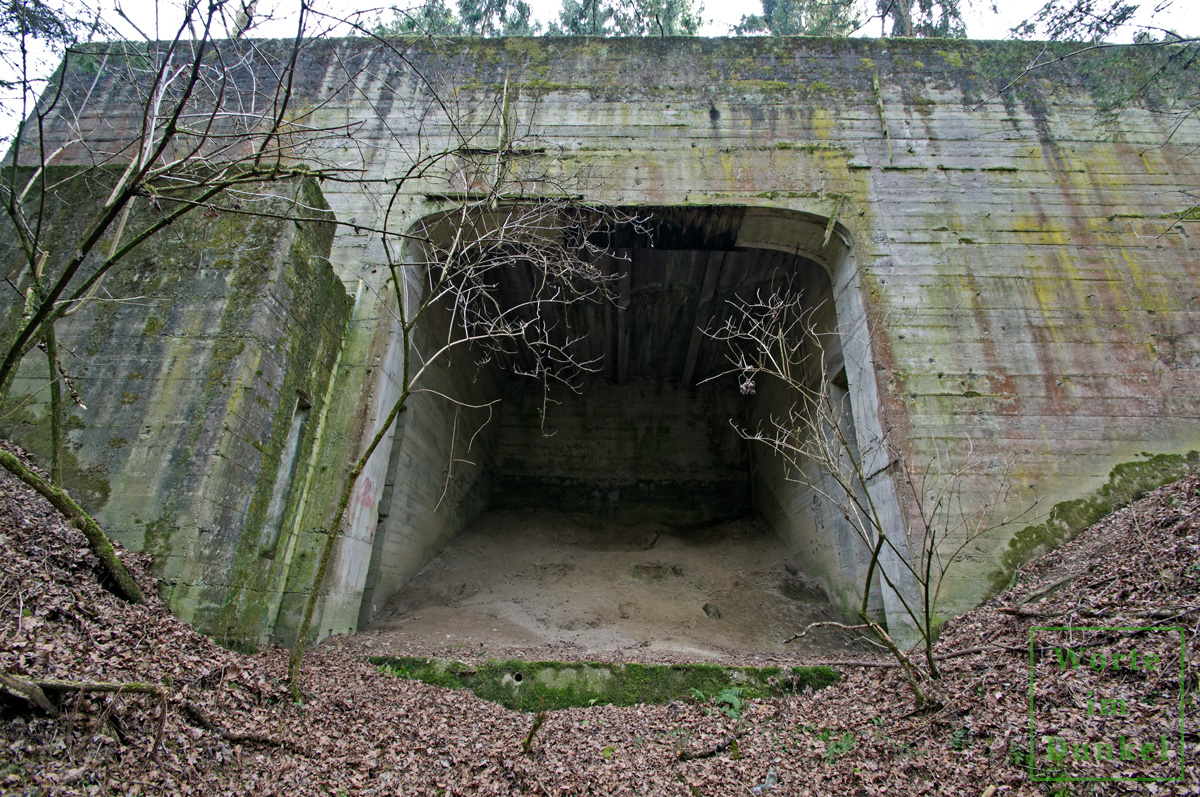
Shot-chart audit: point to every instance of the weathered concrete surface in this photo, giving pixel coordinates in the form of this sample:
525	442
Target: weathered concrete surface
439	476
1015	286
201	362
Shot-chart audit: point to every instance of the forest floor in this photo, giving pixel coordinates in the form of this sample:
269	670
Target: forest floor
218	722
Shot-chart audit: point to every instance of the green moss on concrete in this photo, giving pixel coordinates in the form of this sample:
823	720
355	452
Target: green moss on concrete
651	66
87	484
836	69
788	195
338	443
1126	483
952	58
1188	214
534	685
119	55
814	147
101	329
319	304
1162	77
763	86
158	534
209	293
539	87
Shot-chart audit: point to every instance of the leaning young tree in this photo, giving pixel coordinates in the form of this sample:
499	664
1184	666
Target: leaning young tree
775	341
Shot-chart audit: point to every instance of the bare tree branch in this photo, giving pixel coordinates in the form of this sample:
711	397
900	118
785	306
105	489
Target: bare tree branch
775	338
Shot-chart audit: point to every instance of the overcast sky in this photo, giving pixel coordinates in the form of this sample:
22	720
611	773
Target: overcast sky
983	20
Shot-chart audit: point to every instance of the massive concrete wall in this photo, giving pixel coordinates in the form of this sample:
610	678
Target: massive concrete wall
439	475
202	364
1016	272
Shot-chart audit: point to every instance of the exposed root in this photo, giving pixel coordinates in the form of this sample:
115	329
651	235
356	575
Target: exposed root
34	690
204	721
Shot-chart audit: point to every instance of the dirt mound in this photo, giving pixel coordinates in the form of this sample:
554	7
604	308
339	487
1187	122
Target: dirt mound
516	581
227	727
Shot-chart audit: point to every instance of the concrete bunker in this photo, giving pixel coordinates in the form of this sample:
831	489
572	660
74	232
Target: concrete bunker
647	443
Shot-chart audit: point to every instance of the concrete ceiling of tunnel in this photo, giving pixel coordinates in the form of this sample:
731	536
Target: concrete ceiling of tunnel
662	300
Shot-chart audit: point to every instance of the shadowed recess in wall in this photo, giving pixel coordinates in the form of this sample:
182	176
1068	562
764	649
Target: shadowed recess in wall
630	512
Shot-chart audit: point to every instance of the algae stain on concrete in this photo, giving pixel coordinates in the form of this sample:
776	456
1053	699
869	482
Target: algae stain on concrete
87	484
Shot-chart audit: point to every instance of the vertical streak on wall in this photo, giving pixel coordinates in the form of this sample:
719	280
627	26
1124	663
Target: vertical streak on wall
276	633
339	607
273	523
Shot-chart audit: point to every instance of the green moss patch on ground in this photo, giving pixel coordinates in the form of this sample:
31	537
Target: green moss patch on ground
536	685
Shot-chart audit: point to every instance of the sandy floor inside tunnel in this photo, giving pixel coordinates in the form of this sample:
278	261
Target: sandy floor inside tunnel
522	581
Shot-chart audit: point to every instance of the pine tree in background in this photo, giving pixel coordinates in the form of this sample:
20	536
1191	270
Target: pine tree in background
924	18
626	18
434	18
490	18
485	18
1077	20
34	30
802	18
928	19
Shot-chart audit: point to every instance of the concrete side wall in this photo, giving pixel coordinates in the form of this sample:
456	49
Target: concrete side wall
361	394
796	498
439	474
200	368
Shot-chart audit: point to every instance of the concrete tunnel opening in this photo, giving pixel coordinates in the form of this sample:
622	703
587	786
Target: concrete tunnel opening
631	513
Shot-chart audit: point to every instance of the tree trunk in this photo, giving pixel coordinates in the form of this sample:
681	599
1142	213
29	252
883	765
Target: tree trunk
56	410
99	541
